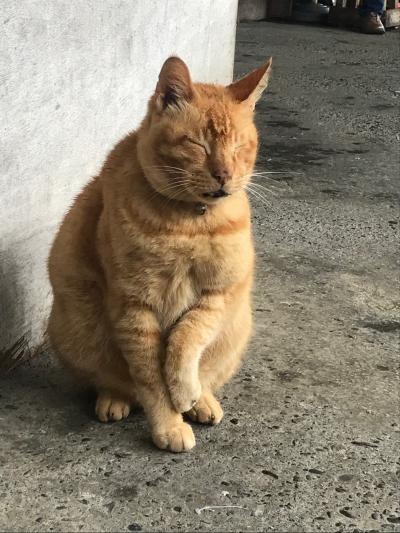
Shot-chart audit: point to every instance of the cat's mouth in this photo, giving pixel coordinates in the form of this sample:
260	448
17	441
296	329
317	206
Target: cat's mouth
221	193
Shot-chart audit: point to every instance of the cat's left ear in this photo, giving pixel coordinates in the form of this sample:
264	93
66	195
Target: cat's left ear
174	84
251	87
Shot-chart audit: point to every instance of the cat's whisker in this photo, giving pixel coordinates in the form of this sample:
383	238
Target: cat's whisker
174	171
259	197
258	193
243	179
268	179
250	187
176	186
273	187
275	172
177	182
168	167
164	193
253	195
263	188
173	185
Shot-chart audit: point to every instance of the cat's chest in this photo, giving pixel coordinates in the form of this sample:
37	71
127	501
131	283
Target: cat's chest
171	273
218	262
189	268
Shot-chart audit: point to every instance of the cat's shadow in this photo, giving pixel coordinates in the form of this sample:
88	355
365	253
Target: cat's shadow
42	406
42	394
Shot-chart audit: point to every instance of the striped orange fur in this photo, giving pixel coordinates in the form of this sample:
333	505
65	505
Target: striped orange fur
152	266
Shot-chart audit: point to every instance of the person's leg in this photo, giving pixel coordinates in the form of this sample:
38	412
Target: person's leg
370	19
372	6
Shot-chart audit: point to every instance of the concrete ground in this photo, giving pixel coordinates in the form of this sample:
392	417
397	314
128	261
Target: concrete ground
310	437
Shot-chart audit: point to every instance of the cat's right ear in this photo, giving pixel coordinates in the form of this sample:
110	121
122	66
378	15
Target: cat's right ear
250	87
174	84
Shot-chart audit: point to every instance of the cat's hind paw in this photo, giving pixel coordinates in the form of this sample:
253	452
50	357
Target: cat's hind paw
207	410
109	408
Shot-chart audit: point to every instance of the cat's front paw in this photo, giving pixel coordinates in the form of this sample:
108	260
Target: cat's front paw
184	391
178	438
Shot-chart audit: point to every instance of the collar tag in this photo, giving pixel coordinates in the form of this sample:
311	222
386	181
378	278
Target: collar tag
200	209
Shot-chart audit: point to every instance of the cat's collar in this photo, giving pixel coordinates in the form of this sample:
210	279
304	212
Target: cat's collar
200	208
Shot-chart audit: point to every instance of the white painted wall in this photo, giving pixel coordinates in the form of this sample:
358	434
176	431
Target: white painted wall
75	76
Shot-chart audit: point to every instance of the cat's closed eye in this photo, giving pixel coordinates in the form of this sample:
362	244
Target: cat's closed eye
199	143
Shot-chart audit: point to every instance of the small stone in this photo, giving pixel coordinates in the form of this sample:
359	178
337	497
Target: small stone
258	512
346	477
375	516
122	455
383	368
393	519
234	421
134	527
178	508
109	506
315	471
346	513
269	473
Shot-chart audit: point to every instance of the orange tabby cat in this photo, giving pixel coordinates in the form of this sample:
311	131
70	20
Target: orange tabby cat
152	267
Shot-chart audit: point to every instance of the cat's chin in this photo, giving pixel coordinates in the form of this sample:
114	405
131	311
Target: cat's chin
206	198
215	199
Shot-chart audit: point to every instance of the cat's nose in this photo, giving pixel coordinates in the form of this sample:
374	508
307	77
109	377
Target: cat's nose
222	175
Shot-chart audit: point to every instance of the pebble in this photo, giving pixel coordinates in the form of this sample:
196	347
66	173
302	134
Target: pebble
269	473
134	527
315	471
346	477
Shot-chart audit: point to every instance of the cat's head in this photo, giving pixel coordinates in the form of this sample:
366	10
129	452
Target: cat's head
198	142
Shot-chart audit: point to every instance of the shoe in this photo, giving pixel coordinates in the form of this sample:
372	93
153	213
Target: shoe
371	23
